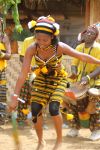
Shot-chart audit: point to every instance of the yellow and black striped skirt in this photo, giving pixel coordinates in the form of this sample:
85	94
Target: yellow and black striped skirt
48	88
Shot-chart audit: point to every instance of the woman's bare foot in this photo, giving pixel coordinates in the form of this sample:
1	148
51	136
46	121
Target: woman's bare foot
57	146
41	145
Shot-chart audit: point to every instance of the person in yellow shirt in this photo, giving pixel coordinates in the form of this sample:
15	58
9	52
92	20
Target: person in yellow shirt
87	73
26	43
25	91
5	54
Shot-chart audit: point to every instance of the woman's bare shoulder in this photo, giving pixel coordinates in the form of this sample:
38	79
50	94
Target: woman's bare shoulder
31	48
62	45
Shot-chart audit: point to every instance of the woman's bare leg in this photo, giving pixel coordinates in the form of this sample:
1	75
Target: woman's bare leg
58	126
39	132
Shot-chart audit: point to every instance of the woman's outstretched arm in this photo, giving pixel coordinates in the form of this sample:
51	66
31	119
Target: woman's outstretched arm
67	50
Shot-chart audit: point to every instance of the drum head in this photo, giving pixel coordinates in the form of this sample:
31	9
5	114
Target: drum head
77	91
94	91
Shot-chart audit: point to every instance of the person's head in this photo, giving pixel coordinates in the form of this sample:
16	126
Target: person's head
89	35
46	30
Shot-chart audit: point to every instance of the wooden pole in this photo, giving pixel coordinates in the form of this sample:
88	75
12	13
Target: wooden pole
87	13
94	11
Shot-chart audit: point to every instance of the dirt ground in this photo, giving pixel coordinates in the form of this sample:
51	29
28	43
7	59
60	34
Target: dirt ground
28	138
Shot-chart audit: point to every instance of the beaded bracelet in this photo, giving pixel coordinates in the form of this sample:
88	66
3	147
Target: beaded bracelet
88	77
15	95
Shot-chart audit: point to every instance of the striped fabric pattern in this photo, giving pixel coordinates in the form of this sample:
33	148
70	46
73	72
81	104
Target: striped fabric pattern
25	95
44	26
3	88
47	88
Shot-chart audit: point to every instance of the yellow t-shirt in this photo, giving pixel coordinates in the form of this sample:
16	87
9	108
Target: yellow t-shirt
28	41
95	52
3	63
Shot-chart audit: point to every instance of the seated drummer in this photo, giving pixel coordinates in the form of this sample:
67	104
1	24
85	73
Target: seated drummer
87	74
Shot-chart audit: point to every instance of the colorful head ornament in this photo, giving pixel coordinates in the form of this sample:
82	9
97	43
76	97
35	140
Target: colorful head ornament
45	25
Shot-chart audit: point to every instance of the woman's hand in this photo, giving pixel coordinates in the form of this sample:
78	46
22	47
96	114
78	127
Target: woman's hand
14	102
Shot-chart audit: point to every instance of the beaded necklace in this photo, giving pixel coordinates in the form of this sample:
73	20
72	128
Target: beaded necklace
84	65
48	47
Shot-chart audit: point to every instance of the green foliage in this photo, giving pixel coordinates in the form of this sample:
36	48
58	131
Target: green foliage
20	36
12	5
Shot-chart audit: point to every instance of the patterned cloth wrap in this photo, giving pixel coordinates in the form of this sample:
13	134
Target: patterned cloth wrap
23	107
3	115
3	65
3	88
49	84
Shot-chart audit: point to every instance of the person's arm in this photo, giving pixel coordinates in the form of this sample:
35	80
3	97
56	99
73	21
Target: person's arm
74	65
95	73
25	69
6	42
90	76
73	72
67	50
21	58
22	77
74	69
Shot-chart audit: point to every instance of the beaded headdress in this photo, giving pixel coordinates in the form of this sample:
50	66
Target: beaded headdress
45	25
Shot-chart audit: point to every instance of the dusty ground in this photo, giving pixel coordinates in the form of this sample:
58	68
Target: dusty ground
28	139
